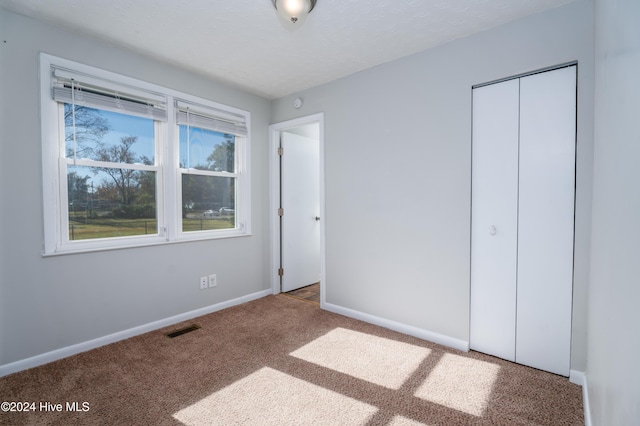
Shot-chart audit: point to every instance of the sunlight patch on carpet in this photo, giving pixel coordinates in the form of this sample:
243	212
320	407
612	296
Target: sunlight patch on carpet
270	397
464	384
375	359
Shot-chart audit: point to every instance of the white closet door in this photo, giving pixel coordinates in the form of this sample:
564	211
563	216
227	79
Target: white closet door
494	219
546	219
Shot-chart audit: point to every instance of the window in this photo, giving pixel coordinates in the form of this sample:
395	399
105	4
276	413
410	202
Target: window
127	163
210	155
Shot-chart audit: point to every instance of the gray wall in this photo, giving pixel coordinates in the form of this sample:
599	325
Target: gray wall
398	176
50	303
614	317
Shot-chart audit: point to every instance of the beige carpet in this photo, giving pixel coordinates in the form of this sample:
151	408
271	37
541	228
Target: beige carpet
281	361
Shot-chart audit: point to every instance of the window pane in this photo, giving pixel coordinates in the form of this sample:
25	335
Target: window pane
206	150
107	202
208	203
108	136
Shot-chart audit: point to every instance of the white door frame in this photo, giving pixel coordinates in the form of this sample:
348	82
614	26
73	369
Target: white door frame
274	200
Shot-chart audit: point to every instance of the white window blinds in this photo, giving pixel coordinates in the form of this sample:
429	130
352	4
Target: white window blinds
79	89
226	122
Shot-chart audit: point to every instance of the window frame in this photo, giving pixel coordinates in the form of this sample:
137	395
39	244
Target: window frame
237	174
166	167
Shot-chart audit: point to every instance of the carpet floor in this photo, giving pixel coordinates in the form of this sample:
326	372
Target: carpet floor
281	361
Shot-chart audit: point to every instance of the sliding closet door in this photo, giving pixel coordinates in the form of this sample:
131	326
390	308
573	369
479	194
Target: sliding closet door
546	219
494	219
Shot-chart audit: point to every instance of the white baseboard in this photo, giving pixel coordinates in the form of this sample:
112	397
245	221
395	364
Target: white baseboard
440	339
579	378
576	377
585	403
57	354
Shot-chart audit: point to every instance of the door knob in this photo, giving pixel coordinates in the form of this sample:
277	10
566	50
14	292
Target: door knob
493	230
317	218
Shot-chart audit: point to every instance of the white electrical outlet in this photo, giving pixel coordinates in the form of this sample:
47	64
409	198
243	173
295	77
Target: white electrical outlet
203	283
213	280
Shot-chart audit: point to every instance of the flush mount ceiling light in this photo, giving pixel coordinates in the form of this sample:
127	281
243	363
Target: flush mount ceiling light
294	11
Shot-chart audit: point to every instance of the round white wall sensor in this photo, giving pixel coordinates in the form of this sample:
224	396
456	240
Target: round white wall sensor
297	103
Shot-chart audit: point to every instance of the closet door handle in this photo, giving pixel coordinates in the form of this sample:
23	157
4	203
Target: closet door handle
492	230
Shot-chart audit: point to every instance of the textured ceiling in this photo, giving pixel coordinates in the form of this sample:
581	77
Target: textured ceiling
243	43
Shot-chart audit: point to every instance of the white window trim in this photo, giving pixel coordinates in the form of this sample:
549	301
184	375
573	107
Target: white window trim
168	193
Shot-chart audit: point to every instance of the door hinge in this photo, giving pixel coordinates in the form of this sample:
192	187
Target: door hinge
280	151
280	272
280	211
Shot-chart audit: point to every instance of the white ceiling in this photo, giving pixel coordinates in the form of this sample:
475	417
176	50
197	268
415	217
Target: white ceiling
243	43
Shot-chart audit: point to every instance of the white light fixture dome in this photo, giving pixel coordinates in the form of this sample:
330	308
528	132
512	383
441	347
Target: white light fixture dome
294	11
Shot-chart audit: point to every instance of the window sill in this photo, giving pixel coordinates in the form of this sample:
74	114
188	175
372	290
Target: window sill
138	244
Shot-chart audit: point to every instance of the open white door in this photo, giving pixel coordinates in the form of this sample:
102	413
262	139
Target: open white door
300	201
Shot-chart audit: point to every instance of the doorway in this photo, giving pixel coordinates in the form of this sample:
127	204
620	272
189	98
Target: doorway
297	204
